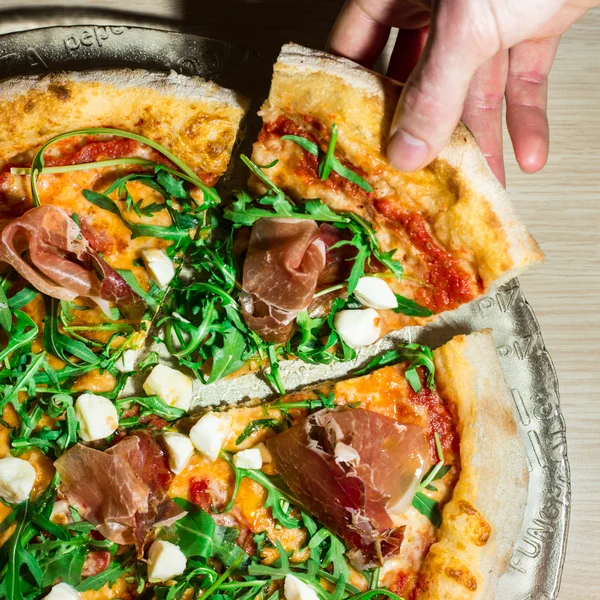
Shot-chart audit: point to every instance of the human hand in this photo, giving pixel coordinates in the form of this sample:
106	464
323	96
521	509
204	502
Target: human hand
463	57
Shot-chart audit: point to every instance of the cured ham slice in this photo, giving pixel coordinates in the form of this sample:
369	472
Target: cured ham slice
122	491
284	260
353	469
45	246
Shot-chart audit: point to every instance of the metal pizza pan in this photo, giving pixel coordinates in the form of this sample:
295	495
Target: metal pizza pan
535	566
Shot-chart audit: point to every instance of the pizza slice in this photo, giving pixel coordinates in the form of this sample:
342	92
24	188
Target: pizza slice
403	247
105	179
353	489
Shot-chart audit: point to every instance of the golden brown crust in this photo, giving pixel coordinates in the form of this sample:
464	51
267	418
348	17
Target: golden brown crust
483	518
467	208
196	119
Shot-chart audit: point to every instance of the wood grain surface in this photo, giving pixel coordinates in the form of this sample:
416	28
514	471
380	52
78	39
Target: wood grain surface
561	207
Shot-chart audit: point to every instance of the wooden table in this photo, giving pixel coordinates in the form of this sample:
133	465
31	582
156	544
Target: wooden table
561	207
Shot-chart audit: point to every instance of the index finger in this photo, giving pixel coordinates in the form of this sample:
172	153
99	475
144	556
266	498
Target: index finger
357	36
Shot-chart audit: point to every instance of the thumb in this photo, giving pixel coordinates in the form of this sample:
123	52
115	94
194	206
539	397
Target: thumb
433	98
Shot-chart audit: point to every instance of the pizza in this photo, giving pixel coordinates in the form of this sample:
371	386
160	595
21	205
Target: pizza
101	232
121	262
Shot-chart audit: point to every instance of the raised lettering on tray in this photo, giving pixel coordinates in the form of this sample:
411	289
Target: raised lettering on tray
91	36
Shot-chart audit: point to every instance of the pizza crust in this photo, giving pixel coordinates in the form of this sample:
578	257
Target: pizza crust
196	119
482	520
466	206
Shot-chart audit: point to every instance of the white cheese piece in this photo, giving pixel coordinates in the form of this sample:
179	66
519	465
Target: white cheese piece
61	513
159	265
209	434
374	292
179	449
165	561
248	459
126	362
295	589
97	417
171	385
17	477
264	452
346	454
358	328
63	591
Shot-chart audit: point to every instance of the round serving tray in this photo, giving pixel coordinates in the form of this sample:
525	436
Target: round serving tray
535	566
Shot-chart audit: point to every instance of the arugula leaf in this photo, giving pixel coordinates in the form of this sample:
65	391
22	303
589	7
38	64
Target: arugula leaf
19	557
417	354
174	186
61	345
332	162
137	229
154	405
148	361
428	507
253	426
228	357
24	332
5	315
327	163
22	381
409	307
22	297
65	561
196	531
129	277
278	500
303	143
37	165
110	575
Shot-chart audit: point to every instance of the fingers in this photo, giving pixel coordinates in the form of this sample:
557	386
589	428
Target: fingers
526	101
357	36
407	52
433	98
482	113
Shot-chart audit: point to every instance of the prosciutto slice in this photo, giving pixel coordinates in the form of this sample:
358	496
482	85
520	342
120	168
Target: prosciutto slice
284	260
353	469
45	246
122	491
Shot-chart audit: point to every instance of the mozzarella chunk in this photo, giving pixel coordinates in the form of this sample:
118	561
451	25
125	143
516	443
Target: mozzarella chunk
171	385
126	362
17	477
165	561
159	265
179	449
248	459
63	591
97	417
264	452
295	589
374	292
61	513
358	328
209	434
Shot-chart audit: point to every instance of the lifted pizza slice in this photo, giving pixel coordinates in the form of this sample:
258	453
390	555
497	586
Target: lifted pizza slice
408	246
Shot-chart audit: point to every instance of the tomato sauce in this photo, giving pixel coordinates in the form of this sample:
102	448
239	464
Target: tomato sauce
199	494
450	285
307	168
96	150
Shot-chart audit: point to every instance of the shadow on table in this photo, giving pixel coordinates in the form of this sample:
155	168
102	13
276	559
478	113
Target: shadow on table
262	25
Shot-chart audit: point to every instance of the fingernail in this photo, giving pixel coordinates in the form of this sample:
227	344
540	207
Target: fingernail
406	152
